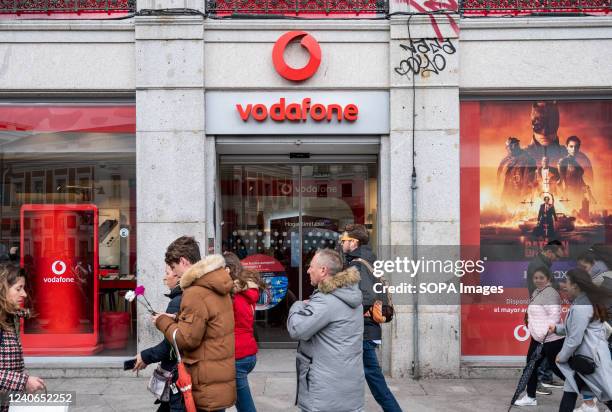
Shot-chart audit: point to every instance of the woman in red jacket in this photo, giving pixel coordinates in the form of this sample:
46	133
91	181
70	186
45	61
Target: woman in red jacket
247	285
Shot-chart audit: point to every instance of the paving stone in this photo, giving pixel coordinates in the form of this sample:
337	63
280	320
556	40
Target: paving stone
275	392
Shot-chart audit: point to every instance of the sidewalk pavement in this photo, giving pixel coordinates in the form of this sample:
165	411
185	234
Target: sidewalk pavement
273	386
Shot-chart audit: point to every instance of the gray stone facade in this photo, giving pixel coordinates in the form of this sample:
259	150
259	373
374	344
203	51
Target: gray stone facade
167	64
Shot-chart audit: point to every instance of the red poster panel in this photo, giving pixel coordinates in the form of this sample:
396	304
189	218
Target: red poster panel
59	245
531	172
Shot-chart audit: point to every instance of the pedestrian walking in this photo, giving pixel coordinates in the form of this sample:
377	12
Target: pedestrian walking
550	253
13	376
180	256
584	358
329	327
544	309
601	276
204	329
245	294
355	247
162	352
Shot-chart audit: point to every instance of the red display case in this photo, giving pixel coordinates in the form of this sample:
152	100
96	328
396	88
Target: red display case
59	250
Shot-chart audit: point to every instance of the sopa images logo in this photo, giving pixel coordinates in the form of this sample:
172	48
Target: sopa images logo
309	43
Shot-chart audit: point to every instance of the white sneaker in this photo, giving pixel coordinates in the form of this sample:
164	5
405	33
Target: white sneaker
526	401
586	408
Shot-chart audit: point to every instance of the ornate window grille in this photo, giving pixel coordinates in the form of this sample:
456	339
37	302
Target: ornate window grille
534	7
314	8
20	7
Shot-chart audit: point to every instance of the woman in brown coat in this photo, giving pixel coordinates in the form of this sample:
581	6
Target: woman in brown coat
205	333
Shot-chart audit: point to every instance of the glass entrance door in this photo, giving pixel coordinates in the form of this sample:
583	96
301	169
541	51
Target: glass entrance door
275	217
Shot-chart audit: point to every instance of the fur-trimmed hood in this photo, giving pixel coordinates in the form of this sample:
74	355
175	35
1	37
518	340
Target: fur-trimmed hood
344	285
209	273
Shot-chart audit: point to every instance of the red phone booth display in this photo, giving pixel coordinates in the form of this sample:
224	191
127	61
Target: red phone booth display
59	250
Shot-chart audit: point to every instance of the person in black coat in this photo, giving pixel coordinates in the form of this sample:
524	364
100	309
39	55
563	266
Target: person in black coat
162	352
355	247
546	220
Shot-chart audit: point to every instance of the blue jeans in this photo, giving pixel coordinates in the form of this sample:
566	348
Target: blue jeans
545	372
376	380
244	400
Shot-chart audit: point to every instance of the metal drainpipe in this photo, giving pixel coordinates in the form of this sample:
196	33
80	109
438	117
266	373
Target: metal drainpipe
416	371
415	306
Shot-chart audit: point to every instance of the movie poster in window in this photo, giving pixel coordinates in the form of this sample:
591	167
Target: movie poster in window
532	171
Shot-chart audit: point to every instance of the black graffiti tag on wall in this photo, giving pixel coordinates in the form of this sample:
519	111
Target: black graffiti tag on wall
426	56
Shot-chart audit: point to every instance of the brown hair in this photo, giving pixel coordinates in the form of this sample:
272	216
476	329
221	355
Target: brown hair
545	271
240	274
358	232
9	275
186	247
598	296
587	256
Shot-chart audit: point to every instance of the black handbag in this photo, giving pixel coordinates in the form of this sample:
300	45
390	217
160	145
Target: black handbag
582	364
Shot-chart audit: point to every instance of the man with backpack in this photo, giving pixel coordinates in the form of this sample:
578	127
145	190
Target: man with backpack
359	254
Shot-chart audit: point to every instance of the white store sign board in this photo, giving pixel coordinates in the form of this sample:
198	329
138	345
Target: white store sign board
223	116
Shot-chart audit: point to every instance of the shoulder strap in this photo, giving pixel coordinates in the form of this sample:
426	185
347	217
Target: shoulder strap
364	263
175	346
538	294
382	279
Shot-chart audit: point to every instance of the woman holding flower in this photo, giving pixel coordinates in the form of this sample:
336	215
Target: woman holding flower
162	352
13	377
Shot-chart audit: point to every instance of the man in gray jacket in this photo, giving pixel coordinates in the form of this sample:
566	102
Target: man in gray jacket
329	327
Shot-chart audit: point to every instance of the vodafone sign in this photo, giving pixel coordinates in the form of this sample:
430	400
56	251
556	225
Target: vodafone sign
297	112
306	109
309	43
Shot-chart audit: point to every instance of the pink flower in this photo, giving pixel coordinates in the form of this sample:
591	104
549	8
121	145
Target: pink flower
140	290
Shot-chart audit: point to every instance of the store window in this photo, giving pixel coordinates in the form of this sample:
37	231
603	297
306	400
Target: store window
68	213
277	215
532	172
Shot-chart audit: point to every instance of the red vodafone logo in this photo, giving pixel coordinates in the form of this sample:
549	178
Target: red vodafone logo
309	43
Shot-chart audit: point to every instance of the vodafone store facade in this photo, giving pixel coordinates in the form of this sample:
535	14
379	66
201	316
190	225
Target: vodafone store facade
265	137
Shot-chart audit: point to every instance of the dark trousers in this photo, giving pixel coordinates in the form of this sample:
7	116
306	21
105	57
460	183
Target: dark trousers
545	371
376	380
175	404
568	401
549	352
